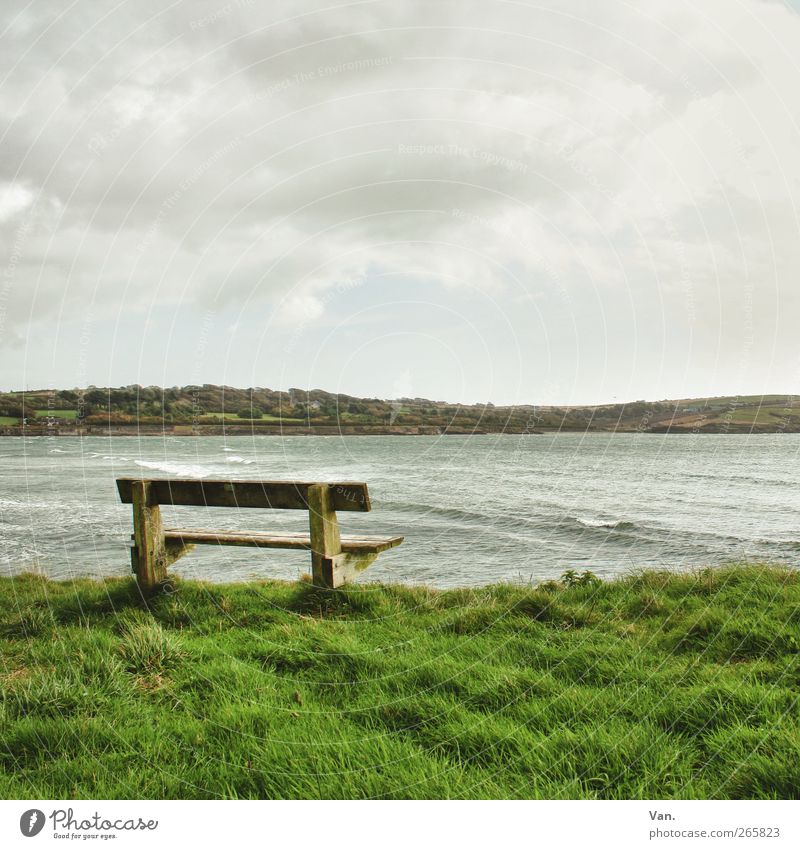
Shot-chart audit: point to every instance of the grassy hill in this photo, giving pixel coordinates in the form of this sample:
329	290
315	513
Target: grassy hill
655	686
208	408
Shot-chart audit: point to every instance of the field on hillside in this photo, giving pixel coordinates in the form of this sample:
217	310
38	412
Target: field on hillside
654	686
741	413
69	415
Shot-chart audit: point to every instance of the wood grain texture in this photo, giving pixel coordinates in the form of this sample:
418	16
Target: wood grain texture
257	539
149	555
347	566
349	496
335	559
326	542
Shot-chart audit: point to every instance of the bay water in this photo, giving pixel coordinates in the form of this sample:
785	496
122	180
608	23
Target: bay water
473	509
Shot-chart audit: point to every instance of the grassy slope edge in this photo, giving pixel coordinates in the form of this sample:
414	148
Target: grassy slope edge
653	686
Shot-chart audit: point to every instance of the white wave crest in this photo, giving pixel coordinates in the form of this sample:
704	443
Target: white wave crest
188	470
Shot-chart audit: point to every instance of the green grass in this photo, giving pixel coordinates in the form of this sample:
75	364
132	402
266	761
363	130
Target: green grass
777	416
771	415
729	401
8	420
57	414
654	686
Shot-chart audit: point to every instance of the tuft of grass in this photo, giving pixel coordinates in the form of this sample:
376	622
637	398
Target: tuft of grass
657	685
31	622
148	649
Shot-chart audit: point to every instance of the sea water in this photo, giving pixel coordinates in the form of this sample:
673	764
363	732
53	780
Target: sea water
473	509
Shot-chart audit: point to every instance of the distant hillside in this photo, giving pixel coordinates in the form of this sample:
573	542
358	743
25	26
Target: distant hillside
210	409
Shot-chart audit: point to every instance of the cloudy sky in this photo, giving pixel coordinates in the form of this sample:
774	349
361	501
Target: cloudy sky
556	202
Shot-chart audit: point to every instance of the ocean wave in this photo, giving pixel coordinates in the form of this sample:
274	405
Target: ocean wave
237	459
418	508
539	520
179	469
759	480
609	524
792	544
609	529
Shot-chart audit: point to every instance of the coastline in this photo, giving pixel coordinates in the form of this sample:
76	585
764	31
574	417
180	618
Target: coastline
376	430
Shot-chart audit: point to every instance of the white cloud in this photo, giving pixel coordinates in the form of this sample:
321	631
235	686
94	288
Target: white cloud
231	154
14	198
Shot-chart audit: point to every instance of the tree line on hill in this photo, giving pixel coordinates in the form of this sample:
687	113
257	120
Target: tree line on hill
209	404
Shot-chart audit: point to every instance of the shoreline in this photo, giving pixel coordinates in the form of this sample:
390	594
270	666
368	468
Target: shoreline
366	430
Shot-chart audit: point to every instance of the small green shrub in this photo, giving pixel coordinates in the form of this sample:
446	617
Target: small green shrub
571	578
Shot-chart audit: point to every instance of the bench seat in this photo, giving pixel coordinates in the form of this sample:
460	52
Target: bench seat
335	559
350	544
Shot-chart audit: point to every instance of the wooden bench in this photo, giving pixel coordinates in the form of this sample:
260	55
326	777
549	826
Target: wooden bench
335	559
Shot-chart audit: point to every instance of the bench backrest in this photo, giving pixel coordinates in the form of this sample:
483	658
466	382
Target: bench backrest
275	495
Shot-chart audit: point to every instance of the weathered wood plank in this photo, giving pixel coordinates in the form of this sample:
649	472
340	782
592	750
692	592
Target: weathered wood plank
347	566
277	495
150	554
326	542
257	539
335	559
175	548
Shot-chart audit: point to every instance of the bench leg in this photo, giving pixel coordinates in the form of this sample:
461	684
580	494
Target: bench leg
150	554
326	543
